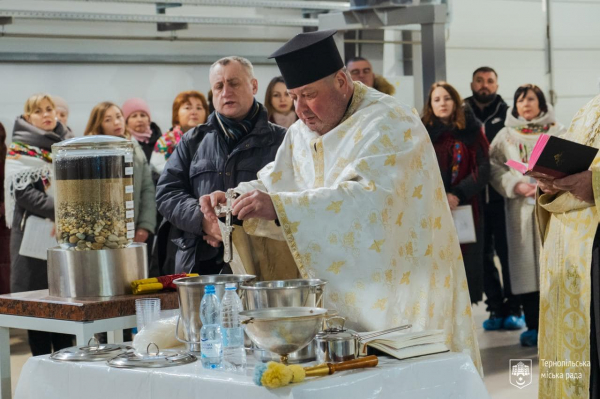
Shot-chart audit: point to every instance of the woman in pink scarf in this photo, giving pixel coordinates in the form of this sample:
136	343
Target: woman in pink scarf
139	124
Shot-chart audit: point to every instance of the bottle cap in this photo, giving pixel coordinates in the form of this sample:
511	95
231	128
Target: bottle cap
209	289
230	287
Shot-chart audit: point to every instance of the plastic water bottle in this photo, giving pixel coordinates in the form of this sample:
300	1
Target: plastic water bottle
234	354
210	334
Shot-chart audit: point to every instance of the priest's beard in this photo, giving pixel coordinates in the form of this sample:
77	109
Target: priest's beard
483	98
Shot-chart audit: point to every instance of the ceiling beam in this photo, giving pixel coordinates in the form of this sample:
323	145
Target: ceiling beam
166	38
294	4
147	18
79	58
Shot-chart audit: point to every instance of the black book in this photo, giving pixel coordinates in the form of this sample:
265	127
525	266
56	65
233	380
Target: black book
557	157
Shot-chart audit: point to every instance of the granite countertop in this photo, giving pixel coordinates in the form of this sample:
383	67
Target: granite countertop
41	304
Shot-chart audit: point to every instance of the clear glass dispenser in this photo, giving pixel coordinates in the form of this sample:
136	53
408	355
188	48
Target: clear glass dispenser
93	180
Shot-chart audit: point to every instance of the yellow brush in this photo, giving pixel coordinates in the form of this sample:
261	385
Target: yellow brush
276	375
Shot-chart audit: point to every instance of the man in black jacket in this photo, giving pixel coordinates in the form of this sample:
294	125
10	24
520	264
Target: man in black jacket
230	148
504	307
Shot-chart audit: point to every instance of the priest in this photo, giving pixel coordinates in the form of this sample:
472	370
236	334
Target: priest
567	212
356	193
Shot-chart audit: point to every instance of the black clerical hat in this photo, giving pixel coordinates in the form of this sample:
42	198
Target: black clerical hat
308	57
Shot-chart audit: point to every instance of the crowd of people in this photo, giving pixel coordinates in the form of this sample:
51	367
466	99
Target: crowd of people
224	142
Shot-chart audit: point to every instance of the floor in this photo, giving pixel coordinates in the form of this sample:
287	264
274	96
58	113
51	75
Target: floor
497	348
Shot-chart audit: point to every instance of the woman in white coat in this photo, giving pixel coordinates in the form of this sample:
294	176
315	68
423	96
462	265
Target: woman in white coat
528	118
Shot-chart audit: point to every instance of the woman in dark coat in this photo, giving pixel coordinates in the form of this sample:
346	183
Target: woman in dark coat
462	152
29	183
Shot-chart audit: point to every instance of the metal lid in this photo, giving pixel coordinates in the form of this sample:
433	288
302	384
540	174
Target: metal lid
154	359
94	139
335	331
90	353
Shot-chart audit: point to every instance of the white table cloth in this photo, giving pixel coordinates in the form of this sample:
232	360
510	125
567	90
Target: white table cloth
448	375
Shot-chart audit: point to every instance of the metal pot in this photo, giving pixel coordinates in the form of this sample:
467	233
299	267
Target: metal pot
191	291
336	344
285	293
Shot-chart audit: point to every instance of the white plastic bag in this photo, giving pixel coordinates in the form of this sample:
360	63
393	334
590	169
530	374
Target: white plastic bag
161	333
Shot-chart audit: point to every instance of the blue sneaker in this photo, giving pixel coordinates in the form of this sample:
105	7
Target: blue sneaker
514	322
529	338
493	323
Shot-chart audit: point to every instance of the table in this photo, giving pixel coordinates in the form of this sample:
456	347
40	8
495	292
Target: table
446	375
36	310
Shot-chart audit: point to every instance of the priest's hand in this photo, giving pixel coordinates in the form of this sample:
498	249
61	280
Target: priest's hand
254	204
525	189
545	182
579	184
208	203
453	201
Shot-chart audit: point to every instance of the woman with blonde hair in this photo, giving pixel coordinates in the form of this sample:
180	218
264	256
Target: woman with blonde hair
107	118
279	104
462	152
29	192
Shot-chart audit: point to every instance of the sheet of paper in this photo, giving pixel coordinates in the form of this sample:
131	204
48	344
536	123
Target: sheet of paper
37	238
464	223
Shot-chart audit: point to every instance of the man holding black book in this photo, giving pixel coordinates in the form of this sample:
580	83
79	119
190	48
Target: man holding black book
570	271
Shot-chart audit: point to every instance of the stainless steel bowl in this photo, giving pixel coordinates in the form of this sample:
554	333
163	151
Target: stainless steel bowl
282	330
285	293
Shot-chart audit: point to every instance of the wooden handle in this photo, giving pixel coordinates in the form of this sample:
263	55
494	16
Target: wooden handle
363	362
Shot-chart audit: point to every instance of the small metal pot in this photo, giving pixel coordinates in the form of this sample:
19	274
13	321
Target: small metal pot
336	344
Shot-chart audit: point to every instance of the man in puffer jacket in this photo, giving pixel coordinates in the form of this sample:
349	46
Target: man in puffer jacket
361	70
236	142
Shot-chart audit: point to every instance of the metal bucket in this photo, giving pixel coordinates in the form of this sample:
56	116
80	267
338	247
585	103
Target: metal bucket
285	293
191	291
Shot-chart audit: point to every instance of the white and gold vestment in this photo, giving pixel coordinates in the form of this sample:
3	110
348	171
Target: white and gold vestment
364	207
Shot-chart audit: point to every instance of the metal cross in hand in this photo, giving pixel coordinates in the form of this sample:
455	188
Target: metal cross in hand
227	229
